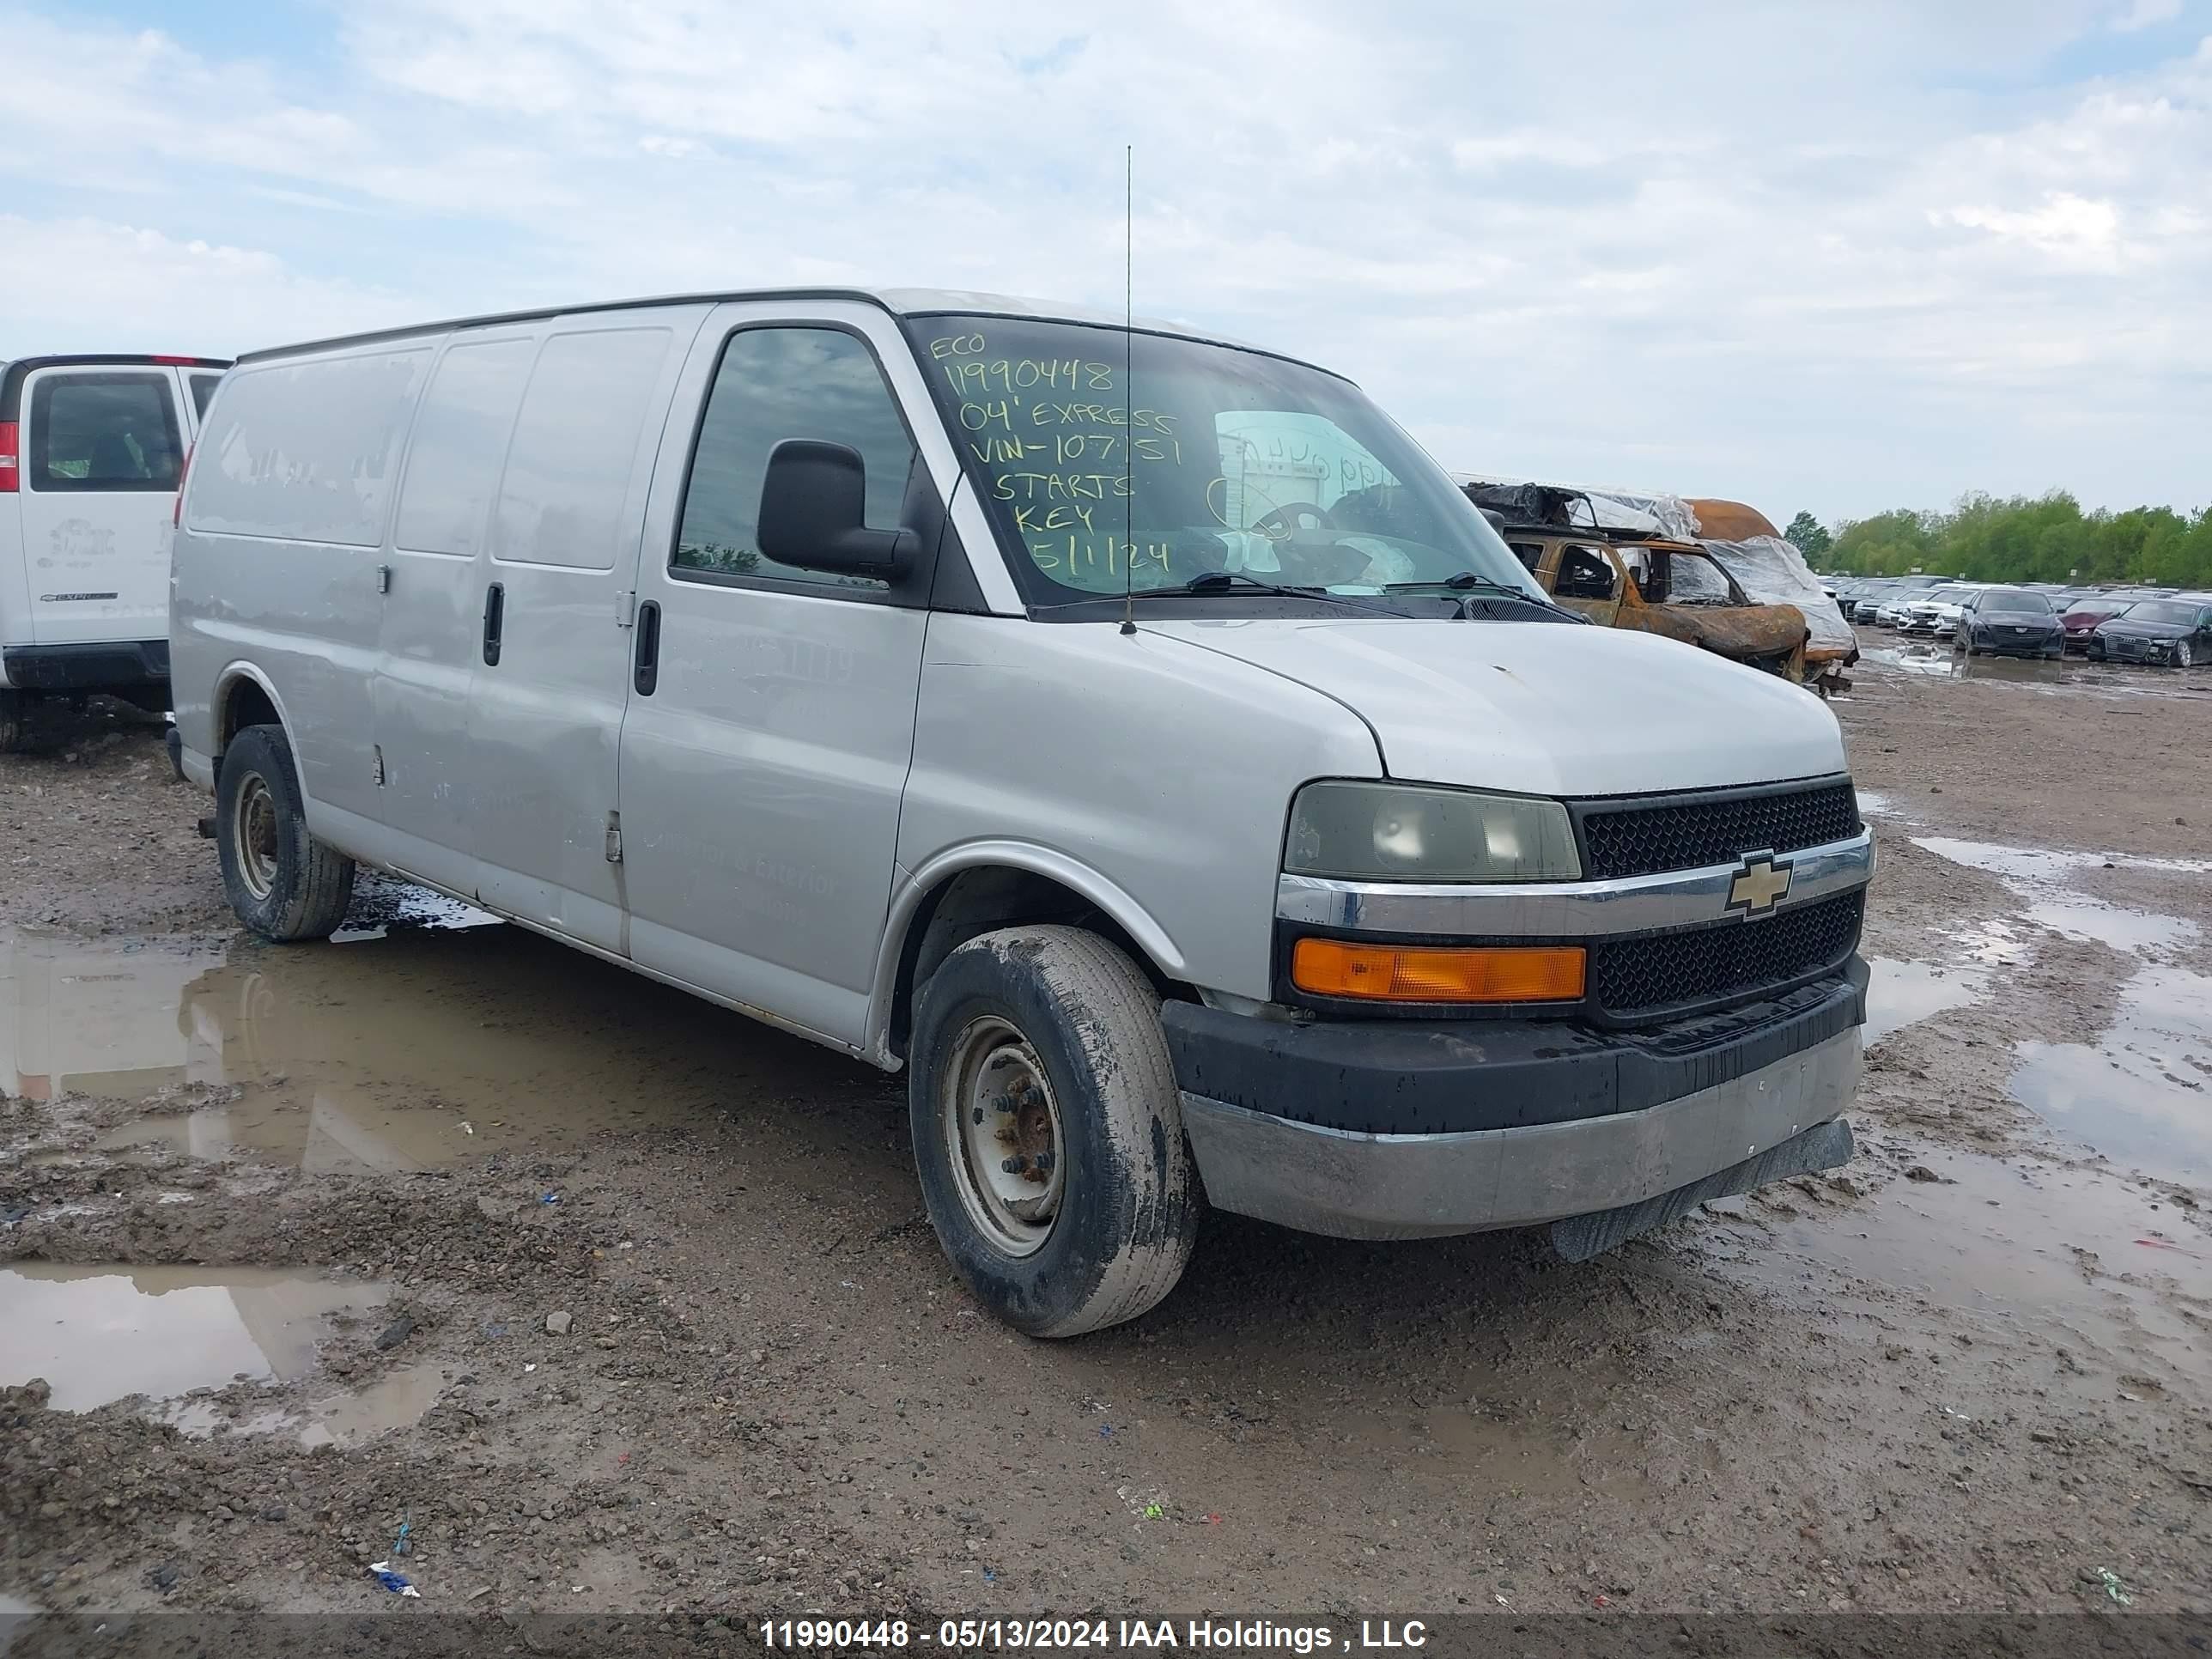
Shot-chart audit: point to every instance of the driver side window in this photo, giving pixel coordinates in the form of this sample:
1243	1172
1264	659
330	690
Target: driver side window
774	384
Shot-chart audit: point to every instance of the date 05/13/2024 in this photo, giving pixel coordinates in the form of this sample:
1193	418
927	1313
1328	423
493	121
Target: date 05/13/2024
1009	1635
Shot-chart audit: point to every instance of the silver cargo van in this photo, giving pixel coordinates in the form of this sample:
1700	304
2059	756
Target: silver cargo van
90	452
1133	737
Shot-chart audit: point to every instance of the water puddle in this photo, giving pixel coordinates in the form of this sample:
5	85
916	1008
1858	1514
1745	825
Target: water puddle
2142	1094
15	1614
415	1046
1995	943
2077	1253
2074	676
101	1334
92	1017
398	1399
382	904
2042	880
1874	804
1902	994
1932	662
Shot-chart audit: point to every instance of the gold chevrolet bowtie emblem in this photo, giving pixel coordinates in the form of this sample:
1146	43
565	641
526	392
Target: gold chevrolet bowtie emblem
1760	886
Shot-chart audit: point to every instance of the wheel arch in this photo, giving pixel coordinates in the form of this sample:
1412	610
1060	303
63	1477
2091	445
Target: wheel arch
244	698
972	889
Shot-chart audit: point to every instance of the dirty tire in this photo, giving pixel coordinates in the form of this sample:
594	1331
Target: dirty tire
305	885
15	721
1130	1202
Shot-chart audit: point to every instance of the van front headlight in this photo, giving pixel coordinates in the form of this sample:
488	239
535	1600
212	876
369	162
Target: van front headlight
1416	832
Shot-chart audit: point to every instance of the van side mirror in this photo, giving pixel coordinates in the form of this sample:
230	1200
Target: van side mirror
813	513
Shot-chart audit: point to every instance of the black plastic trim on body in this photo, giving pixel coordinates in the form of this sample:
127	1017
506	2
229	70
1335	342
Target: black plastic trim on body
1398	1077
1627	835
645	677
87	667
1642	977
495	622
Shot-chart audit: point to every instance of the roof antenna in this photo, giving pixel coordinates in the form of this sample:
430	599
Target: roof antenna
1129	386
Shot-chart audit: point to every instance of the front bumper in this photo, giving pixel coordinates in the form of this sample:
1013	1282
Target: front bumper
2131	648
1403	1129
2002	644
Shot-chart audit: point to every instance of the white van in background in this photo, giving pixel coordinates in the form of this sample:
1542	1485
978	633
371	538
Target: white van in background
91	452
1133	737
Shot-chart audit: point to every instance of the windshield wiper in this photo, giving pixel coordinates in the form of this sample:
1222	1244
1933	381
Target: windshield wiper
1236	581
1225	581
1466	584
1463	581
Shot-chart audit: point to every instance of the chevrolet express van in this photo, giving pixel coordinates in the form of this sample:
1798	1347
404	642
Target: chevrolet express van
1132	737
90	452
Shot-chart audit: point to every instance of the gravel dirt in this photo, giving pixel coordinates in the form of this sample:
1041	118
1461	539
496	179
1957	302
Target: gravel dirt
617	1302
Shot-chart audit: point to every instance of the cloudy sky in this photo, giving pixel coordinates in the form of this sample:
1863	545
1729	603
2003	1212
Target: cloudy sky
1834	254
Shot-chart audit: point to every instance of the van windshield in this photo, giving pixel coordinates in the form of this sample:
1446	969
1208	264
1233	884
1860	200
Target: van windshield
1143	462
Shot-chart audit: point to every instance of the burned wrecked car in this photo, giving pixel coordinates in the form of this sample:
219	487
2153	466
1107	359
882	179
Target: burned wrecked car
1639	562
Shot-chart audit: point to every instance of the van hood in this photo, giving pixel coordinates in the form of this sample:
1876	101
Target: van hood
1541	708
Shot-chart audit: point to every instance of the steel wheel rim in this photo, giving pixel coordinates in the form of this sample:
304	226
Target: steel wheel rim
253	833
998	1109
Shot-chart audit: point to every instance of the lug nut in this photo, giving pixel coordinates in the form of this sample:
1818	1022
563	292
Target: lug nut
1005	1103
1015	1165
1043	1163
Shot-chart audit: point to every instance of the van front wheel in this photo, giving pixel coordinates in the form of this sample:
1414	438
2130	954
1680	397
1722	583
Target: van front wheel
1048	1132
284	884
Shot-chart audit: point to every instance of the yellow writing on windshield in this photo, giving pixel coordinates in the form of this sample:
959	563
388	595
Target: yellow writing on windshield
1057	445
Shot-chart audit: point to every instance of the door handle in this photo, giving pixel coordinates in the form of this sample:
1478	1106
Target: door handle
647	673
494	617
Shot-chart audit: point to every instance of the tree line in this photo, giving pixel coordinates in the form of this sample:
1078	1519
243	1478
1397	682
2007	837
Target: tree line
2048	539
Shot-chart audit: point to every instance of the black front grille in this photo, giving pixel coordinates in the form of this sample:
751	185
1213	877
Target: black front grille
1692	832
1658	973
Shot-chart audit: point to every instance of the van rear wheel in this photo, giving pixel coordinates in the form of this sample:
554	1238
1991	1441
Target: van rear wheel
284	884
1048	1132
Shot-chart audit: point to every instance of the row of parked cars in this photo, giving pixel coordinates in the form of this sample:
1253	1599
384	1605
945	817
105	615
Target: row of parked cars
2158	625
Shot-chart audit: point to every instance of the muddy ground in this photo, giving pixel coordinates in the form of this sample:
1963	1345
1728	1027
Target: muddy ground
615	1302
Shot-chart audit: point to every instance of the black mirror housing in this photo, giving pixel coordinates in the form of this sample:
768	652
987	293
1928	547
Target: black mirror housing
813	513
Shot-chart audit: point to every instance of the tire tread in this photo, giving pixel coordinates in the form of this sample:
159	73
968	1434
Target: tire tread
322	890
1095	975
1140	1213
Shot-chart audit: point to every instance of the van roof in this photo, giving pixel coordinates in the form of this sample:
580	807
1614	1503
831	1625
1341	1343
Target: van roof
899	301
12	373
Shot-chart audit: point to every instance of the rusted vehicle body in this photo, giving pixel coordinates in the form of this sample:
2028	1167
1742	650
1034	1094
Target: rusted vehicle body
1640	577
1773	572
1674	589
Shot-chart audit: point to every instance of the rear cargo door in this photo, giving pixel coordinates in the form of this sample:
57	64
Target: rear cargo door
101	451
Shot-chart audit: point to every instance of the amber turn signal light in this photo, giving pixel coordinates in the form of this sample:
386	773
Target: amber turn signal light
1414	973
